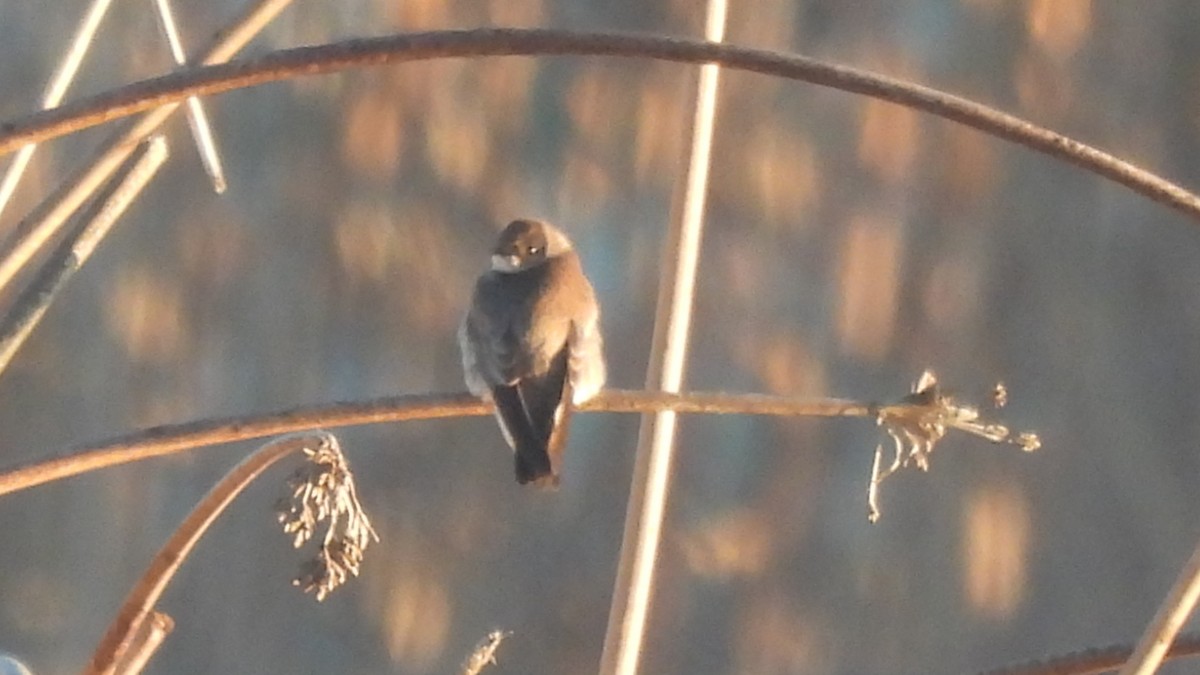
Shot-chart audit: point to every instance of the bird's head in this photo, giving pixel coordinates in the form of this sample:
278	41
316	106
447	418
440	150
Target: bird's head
525	244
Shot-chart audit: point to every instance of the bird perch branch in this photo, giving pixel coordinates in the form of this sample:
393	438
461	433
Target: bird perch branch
171	438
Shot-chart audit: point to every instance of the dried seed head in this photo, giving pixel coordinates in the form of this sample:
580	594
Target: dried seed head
918	421
322	490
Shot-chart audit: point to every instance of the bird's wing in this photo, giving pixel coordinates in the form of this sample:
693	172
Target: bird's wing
586	370
469	343
490	339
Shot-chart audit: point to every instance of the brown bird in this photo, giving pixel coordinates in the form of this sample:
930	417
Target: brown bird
531	343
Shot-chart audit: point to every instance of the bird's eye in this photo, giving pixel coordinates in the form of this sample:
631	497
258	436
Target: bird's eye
534	250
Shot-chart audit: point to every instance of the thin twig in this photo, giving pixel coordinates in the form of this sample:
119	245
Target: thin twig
172	438
197	118
668	356
172	88
1092	661
74	250
47	218
1171	616
56	88
149	588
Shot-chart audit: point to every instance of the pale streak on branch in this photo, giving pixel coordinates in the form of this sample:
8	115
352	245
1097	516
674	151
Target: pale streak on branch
197	118
74	251
172	438
56	88
147	637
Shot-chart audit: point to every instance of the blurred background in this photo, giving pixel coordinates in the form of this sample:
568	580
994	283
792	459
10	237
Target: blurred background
849	244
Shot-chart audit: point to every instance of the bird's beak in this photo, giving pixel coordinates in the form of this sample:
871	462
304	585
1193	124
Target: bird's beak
506	263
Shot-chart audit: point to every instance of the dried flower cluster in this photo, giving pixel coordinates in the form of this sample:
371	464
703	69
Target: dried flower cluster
919	420
485	652
321	490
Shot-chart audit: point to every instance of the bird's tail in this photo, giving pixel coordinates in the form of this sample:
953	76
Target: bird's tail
530	445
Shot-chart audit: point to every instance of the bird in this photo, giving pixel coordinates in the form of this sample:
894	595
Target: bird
531	344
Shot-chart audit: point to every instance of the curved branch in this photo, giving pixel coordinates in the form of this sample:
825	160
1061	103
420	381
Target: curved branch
171	438
149	588
329	58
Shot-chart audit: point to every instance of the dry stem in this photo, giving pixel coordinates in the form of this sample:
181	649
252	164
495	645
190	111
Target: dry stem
668	357
147	637
1171	615
173	88
74	251
196	117
56	88
149	588
41	225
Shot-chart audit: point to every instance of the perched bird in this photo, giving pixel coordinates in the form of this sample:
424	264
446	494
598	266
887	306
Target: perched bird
531	343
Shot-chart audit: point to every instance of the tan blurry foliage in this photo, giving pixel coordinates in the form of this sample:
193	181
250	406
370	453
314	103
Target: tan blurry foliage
996	533
585	184
414	15
888	141
458	141
37	602
770	173
734	544
1059	27
951	293
602	103
611	108
769	25
595	105
515	12
739	261
408	247
503	195
1044	86
782	361
146	315
868	276
213	249
889	135
659	122
990	7
430	270
687	16
418	15
366	241
504	88
416	619
373	133
967	164
457	115
772	638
